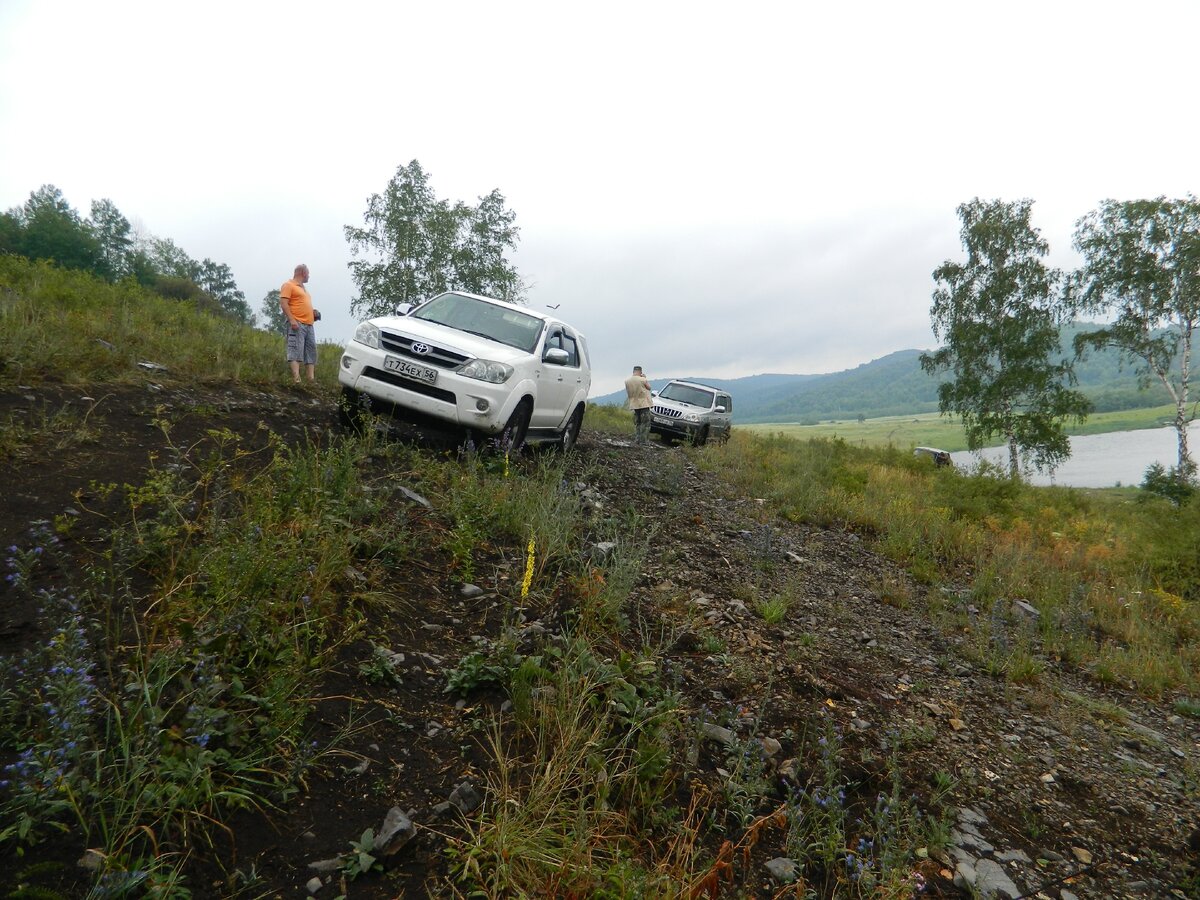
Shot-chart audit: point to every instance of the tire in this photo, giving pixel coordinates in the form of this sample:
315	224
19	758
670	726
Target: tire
512	438
570	432
702	437
354	410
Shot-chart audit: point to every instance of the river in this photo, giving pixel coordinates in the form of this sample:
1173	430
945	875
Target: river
1103	460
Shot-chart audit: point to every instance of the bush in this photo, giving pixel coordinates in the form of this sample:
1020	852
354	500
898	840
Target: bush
1177	484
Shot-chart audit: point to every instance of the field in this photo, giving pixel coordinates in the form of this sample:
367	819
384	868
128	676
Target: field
933	430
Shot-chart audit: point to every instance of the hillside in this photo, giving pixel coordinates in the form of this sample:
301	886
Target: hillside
896	385
1066	785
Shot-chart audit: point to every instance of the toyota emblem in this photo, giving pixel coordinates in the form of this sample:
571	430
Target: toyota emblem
420	349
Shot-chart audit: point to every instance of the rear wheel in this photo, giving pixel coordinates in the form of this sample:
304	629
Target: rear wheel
570	433
512	438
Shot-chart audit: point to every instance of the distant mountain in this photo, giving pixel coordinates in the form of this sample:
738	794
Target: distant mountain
895	385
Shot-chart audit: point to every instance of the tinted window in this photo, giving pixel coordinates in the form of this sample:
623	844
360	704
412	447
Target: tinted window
726	401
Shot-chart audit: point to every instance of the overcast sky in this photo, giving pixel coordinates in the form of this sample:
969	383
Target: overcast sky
715	189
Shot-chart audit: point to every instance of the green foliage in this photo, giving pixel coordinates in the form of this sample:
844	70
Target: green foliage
413	246
1177	486
1142	263
361	859
999	323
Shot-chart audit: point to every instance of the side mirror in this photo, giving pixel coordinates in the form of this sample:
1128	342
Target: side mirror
404	309
719	409
556	356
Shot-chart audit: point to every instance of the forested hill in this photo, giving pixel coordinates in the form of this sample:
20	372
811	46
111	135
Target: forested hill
894	385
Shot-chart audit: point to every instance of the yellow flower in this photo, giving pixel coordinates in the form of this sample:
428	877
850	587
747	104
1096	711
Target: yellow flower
529	554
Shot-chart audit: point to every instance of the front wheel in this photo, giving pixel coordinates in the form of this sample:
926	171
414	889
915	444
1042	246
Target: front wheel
702	437
570	433
512	439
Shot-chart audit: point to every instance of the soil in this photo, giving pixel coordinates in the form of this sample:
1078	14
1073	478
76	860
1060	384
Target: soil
1074	788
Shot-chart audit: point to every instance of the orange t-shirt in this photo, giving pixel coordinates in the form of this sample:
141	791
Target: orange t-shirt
298	301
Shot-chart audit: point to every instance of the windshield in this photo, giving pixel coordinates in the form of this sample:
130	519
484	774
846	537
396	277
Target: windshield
503	324
685	393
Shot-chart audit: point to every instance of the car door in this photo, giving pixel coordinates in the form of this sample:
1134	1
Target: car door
556	383
726	418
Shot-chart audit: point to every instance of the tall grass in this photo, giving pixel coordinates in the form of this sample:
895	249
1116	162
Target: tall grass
1117	582
72	327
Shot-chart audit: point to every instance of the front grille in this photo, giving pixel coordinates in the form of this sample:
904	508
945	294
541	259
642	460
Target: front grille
667	412
417	387
401	345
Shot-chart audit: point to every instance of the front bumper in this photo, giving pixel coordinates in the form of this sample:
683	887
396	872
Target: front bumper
674	427
452	398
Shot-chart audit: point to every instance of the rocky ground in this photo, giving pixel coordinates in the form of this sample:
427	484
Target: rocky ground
1059	788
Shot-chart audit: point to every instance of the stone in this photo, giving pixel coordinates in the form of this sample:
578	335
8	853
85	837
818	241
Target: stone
782	869
1014	856
1026	609
465	797
314	884
1084	856
396	831
770	746
718	734
964	876
470	591
324	866
992	881
415	497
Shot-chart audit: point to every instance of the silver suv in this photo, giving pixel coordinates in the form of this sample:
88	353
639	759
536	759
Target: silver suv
691	411
473	362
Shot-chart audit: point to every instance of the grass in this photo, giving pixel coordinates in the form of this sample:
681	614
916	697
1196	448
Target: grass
1117	583
71	327
934	430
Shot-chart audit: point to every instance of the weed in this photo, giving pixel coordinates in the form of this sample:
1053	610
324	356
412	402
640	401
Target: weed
361	859
773	610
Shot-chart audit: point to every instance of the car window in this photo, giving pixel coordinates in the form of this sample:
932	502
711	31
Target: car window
488	320
563	341
686	393
726	401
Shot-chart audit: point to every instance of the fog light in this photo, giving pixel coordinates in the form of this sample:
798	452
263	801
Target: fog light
482	405
346	361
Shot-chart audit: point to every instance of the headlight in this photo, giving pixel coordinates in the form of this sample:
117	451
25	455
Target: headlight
691	417
368	334
486	370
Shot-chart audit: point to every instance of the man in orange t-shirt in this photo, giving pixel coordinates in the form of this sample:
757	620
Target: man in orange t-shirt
297	307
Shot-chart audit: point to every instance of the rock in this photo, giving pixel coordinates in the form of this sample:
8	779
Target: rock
1051	856
1064	894
314	884
859	724
324	866
1017	856
992	881
790	769
470	591
718	734
465	797
966	836
1027	610
964	876
957	724
770	746
782	869
603	550
1084	856
415	497
396	831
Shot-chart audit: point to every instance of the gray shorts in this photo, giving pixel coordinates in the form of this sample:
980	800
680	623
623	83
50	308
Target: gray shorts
302	344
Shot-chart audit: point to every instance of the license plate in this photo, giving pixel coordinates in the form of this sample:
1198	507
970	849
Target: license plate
410	370
661	420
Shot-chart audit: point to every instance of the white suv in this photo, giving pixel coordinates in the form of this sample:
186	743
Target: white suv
472	362
691	411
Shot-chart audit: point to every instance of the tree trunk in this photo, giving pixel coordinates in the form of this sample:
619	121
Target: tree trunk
1014	458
